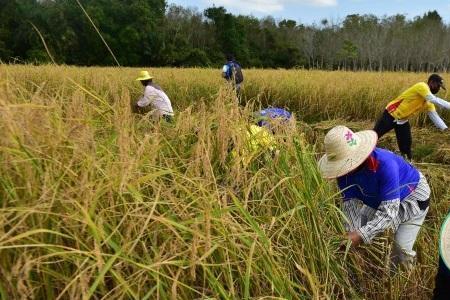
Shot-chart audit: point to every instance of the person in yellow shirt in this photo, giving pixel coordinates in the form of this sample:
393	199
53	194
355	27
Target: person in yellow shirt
416	98
256	141
260	137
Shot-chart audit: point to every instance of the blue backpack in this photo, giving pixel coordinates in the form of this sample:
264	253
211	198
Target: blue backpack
234	68
272	113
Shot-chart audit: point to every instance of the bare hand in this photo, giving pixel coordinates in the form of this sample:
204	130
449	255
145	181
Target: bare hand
355	238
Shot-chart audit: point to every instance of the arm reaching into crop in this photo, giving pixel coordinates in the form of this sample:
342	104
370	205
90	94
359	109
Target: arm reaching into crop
438	101
386	215
432	113
352	213
384	218
436	119
148	97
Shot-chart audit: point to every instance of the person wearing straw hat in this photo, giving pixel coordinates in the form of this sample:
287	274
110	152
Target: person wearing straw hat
442	287
416	98
154	98
380	190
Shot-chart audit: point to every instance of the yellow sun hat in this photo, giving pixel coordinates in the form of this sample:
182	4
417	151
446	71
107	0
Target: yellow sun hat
144	75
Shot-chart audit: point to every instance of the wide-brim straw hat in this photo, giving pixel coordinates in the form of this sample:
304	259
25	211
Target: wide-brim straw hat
144	75
444	242
345	150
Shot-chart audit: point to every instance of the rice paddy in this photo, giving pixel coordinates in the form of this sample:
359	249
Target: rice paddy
99	203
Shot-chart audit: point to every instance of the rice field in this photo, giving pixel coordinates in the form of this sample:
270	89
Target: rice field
98	203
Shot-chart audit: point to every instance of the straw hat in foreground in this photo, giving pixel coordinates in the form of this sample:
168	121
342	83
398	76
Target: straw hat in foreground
345	150
444	242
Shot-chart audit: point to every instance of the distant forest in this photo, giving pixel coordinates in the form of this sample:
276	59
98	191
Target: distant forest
151	33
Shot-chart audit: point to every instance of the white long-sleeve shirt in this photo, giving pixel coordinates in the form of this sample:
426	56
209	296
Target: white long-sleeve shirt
157	99
433	115
438	101
437	121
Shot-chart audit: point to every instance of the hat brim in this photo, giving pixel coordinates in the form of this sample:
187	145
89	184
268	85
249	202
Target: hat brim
144	78
336	168
444	242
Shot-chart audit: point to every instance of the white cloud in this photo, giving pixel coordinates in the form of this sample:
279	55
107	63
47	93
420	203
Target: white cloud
316	2
245	6
267	6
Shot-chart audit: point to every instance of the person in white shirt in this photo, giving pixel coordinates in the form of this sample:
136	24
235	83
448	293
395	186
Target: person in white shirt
153	98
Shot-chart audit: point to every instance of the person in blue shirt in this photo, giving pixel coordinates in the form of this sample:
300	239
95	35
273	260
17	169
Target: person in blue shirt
380	190
232	72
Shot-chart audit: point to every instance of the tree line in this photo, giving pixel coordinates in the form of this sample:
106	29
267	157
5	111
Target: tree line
151	33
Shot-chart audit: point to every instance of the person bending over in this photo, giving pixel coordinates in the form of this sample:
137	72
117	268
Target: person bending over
416	98
153	98
380	190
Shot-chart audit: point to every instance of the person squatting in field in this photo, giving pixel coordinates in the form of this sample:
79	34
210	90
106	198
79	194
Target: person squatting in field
418	97
232	72
380	190
153	98
260	136
273	118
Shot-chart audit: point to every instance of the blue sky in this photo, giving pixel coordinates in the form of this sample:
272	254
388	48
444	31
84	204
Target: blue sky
309	11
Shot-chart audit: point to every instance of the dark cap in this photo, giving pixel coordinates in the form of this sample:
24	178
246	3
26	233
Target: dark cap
438	79
229	56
